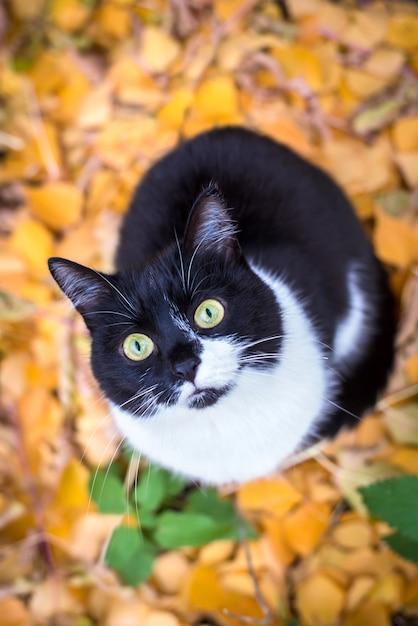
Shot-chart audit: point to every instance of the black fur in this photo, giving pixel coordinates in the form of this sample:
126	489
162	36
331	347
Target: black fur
290	217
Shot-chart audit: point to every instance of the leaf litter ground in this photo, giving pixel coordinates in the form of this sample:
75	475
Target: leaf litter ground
92	94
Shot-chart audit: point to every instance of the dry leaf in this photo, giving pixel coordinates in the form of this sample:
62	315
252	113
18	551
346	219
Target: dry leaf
396	242
58	204
320	600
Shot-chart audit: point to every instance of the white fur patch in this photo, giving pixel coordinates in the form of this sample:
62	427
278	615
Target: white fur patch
351	336
254	427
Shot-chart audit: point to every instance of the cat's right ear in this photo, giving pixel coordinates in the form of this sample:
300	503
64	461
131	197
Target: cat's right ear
83	286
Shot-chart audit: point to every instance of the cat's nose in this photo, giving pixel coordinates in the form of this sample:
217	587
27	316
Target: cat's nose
186	368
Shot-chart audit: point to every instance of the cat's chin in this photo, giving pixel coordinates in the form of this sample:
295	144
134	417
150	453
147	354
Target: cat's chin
202	398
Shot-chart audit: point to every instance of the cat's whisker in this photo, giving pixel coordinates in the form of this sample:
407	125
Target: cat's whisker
189	270
124	298
139	395
245	346
341	408
94	433
182	275
109	443
115	453
109	313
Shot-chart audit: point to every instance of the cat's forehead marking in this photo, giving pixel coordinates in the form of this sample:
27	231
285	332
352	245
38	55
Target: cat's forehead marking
178	318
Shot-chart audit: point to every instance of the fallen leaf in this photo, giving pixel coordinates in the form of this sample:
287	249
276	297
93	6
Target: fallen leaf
304	526
319	600
396	242
403	31
57	204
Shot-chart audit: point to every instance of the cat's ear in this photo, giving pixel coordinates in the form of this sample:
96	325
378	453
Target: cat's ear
83	286
210	228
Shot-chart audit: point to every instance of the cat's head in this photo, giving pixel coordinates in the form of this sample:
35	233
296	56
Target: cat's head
182	328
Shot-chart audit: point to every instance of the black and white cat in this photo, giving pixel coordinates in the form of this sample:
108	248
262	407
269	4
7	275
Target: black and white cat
248	314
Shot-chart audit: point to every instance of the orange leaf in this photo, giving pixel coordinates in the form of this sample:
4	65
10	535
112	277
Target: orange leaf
158	49
369	613
396	242
304	526
58	204
411	368
405	134
276	496
403	31
34	244
320	601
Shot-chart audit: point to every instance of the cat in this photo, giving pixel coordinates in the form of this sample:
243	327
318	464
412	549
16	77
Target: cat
248	315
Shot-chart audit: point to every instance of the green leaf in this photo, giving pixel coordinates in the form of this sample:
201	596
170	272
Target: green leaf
151	489
395	501
175	484
208	501
404	546
107	491
395	202
130	555
146	519
189	528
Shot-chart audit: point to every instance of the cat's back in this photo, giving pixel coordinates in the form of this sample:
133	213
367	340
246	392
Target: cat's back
274	195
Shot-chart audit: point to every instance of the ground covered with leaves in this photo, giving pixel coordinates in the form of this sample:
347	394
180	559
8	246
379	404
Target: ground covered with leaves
92	93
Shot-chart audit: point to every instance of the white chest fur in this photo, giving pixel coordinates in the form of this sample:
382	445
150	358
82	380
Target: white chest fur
250	430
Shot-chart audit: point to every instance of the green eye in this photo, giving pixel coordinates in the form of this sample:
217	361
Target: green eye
137	347
209	313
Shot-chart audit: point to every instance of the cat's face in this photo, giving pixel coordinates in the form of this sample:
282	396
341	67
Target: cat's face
181	331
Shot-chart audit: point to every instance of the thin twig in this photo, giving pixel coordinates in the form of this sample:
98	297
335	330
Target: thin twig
39	132
267	615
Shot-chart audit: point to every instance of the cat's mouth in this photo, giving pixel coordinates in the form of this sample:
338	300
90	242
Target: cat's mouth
202	398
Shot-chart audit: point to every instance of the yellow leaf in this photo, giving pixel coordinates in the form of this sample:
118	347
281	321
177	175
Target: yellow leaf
216	97
370	166
403	31
123	610
408	164
13	612
224	9
216	552
172	114
363	85
58	204
73	492
406	458
298	62
304	526
203	589
320	601
275	496
384	63
170	570
353	534
405	134
396	242
34	243
96	108
113	22
358	591
273	529
369	613
53	597
123	140
367	561
411	368
69	15
158	49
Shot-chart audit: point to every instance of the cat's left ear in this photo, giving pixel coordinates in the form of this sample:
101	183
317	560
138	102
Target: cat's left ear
83	286
210	228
